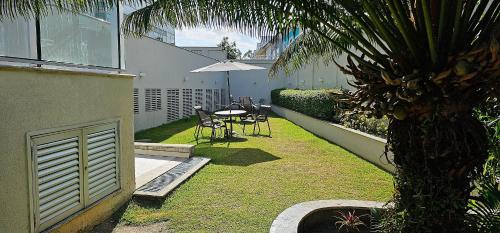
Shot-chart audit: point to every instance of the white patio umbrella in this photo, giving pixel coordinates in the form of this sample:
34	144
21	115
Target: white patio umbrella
226	66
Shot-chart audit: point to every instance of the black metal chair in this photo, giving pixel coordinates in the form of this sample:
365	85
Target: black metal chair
246	103
205	120
261	117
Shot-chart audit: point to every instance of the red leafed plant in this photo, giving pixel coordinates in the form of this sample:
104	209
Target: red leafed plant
348	222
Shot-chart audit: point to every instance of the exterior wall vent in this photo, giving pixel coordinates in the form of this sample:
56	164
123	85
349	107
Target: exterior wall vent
172	105
187	102
136	100
72	169
223	97
216	100
102	178
58	177
208	100
198	97
153	100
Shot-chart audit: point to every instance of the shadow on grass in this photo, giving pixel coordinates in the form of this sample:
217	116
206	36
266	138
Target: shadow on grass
235	156
166	131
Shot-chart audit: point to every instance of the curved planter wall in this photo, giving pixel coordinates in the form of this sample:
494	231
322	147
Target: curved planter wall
290	219
366	146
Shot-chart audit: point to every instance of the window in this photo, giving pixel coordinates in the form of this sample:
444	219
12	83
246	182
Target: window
71	170
86	39
136	101
89	39
172	104
153	100
15	39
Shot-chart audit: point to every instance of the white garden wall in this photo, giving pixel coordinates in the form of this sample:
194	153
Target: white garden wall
366	146
166	67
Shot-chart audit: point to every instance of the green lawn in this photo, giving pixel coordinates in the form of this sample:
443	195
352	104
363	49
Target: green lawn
251	180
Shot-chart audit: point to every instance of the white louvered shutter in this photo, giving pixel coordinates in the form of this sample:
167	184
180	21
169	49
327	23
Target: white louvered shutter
148	98
136	101
216	100
173	112
102	161
223	97
198	97
187	102
57	178
208	99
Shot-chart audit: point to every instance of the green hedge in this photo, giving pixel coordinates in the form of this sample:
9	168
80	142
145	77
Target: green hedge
324	104
316	103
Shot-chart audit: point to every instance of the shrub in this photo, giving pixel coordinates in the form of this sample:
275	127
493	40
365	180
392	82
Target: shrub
373	126
327	105
319	104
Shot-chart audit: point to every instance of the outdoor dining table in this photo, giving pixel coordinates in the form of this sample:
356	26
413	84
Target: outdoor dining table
230	114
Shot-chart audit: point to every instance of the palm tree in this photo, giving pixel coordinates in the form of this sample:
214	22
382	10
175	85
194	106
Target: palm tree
424	63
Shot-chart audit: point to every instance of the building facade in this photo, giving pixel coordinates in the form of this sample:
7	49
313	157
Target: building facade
67	123
270	47
163	33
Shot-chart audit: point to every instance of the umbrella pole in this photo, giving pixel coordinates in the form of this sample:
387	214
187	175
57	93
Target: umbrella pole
230	105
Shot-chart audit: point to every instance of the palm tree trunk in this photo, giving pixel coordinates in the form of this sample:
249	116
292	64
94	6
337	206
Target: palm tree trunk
436	160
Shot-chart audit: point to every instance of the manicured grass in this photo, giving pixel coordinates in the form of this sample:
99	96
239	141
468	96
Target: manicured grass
251	180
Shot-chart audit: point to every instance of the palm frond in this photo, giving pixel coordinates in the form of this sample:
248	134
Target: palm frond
10	9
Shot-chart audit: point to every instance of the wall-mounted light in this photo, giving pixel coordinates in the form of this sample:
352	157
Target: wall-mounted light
254	83
141	75
202	81
321	80
185	79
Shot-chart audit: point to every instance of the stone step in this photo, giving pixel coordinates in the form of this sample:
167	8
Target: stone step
169	150
171	179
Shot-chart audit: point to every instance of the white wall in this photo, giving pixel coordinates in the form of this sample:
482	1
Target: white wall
258	84
166	66
216	53
320	76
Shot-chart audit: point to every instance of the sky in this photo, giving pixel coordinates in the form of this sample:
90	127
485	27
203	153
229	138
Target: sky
210	38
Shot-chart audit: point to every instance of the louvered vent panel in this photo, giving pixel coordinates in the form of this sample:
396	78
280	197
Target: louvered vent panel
216	99
157	99
208	100
58	178
149	100
102	162
187	102
136	101
172	105
198	97
153	100
223	97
